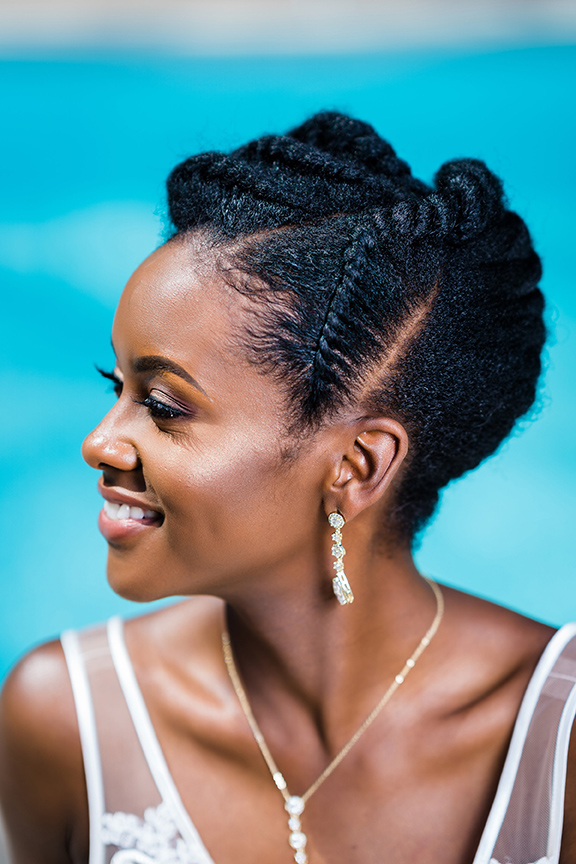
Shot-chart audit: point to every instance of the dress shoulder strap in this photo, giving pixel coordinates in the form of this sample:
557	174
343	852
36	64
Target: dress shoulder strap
525	823
123	799
75	659
155	759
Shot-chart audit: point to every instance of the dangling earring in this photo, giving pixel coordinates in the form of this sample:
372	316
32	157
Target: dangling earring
340	584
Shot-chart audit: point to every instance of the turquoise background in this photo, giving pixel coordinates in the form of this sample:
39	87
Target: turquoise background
85	148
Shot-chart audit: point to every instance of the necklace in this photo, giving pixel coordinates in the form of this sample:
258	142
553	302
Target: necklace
295	804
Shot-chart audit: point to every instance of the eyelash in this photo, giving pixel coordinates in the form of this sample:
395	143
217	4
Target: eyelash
157	409
110	376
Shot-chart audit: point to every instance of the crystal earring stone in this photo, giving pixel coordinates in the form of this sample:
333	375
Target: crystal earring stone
340	584
336	520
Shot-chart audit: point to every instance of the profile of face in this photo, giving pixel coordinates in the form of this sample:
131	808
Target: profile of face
198	436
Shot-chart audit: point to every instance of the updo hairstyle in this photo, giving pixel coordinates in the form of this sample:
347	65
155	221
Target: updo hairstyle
374	289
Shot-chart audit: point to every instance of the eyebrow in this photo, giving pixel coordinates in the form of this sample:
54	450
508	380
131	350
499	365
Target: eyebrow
154	363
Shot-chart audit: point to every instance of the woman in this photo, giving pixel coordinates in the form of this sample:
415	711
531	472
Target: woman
322	345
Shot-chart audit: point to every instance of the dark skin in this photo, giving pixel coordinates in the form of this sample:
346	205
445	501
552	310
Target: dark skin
243	519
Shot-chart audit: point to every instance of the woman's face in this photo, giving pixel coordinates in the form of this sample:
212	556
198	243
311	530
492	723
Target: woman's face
197	436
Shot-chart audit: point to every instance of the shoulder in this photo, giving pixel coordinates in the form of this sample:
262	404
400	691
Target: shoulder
495	642
37	714
511	645
497	631
42	786
486	657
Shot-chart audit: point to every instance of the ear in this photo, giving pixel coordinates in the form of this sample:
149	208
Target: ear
374	451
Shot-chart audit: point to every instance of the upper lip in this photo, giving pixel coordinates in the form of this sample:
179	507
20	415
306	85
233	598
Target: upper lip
116	497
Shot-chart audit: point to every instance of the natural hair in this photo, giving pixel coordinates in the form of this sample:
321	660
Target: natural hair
374	289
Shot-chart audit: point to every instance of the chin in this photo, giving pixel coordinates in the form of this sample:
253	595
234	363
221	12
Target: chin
132	585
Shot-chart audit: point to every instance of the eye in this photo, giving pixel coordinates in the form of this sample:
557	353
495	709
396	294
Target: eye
111	376
158	409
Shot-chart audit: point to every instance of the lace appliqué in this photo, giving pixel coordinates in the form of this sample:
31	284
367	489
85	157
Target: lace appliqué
153	840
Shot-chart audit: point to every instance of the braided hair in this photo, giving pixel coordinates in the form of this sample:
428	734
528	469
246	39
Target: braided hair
372	288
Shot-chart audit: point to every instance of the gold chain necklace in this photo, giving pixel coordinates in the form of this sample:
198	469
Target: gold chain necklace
295	804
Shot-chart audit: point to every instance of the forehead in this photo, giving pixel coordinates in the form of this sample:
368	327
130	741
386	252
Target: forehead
175	294
178	306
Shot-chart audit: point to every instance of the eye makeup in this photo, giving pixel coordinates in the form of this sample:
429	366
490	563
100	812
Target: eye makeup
158	410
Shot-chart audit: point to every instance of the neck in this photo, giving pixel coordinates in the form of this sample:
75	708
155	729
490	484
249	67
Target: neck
300	653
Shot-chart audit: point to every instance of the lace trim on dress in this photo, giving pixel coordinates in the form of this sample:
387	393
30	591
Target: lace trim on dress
152	840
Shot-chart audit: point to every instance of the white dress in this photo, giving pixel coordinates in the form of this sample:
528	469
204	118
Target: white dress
137	816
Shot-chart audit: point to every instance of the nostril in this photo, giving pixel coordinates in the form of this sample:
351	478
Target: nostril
132	481
109	478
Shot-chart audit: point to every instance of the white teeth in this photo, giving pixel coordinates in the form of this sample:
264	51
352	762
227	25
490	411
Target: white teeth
123	511
111	509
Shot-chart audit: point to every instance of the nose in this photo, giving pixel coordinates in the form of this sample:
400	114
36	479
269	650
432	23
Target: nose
107	447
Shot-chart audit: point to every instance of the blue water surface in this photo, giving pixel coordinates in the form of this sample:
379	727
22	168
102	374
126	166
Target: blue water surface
86	144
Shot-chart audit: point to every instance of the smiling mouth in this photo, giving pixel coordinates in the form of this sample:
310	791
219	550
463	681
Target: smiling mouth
120	512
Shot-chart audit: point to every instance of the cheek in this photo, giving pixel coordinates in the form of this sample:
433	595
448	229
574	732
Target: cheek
235	504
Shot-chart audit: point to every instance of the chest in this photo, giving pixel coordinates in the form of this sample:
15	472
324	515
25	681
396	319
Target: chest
396	797
179	790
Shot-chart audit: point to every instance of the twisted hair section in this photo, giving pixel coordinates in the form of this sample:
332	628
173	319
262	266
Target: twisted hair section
333	364
372	289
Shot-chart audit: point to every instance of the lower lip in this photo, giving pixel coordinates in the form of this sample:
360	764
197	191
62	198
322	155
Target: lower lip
121	529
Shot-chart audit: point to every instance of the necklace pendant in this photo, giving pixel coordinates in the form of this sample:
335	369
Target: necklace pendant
295	807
